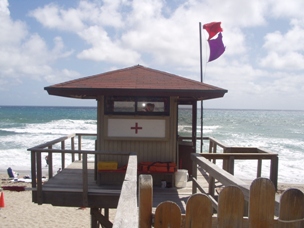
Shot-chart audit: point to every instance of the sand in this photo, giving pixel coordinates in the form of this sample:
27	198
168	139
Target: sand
19	211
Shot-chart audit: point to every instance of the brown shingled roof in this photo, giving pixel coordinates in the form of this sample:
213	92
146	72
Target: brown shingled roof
135	81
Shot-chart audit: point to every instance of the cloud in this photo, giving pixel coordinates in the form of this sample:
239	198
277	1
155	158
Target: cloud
24	55
52	16
285	51
56	76
105	49
79	18
281	8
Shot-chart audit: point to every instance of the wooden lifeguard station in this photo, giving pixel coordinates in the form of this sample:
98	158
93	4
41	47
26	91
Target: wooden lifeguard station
126	124
137	113
137	125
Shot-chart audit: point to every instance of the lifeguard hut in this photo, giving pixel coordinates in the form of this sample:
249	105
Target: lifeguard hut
138	112
137	128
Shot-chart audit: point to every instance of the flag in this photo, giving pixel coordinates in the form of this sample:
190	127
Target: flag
213	28
217	47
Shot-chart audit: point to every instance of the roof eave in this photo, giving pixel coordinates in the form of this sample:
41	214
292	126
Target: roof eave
91	93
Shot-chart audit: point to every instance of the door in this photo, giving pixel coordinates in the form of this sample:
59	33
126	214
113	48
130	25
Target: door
187	114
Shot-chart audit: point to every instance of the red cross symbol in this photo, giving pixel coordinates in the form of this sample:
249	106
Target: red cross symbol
136	128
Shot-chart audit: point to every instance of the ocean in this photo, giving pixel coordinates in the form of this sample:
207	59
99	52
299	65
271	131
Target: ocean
282	132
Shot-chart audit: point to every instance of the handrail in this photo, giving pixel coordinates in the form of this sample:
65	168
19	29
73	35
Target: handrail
219	174
127	212
229	154
36	161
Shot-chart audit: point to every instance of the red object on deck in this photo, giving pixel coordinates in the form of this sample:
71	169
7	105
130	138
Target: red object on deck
14	188
2	199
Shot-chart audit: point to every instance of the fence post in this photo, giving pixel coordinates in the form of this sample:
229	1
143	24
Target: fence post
230	207
261	203
198	211
291	209
145	201
168	214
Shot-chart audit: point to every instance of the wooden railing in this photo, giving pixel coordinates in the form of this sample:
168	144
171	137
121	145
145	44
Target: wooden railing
49	148
223	178
127	212
219	151
230	212
230	154
36	162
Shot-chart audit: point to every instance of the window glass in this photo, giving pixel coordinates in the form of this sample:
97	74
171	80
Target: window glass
137	105
151	106
124	106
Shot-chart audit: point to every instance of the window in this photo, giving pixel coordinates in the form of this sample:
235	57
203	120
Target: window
137	105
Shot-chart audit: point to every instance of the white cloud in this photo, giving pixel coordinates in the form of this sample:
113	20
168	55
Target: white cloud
52	16
104	49
4	7
55	77
24	55
285	51
288	61
282	8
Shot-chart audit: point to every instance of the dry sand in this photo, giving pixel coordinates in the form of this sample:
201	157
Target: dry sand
19	211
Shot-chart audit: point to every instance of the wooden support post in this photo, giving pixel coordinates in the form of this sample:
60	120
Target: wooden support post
50	162
79	147
33	168
98	219
73	148
214	151
211	185
210	145
85	180
194	174
63	155
39	179
259	169
274	166
225	162
231	165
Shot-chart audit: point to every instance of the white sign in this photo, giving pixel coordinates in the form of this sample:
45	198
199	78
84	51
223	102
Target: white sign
148	128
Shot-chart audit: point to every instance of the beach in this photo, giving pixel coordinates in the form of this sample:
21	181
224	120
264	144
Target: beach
20	211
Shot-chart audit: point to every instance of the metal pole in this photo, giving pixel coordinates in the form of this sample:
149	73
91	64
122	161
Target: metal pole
201	66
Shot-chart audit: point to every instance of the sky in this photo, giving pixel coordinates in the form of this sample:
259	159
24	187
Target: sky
48	42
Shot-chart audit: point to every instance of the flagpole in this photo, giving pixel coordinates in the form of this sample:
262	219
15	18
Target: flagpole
201	66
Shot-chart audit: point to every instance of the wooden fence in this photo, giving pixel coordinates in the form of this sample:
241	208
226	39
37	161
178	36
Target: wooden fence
231	207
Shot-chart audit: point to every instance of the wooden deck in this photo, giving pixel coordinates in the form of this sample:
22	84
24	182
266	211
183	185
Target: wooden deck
65	189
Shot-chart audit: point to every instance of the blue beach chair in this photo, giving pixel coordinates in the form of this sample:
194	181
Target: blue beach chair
10	172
